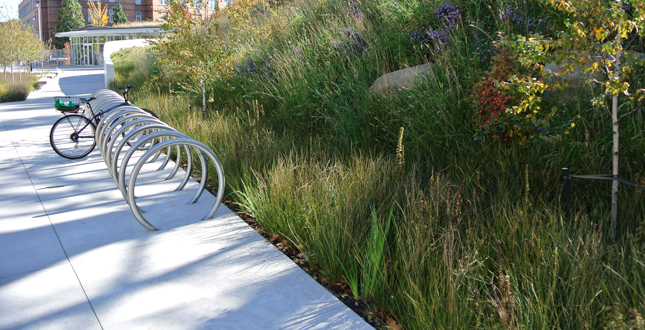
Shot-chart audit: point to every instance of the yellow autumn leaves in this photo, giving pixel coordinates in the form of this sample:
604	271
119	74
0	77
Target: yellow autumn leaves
97	13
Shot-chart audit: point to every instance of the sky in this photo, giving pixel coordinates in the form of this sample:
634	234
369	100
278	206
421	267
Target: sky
12	5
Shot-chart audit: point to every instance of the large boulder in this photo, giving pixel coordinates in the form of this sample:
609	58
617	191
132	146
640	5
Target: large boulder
400	79
577	75
557	70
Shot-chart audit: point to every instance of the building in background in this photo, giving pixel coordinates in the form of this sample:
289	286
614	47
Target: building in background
87	44
27	13
43	14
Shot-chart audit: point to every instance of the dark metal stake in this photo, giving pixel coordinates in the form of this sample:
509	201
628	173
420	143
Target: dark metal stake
566	192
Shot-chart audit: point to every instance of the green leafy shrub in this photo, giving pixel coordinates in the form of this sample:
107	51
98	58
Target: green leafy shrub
507	100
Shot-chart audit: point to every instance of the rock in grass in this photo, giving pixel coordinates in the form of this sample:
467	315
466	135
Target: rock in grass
400	79
557	70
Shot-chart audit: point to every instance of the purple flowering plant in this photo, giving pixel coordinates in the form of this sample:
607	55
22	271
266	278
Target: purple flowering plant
518	18
355	40
448	15
353	8
249	67
356	43
449	18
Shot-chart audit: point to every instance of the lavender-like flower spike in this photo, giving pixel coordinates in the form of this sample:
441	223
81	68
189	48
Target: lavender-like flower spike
354	9
355	39
511	14
267	69
439	36
338	46
448	15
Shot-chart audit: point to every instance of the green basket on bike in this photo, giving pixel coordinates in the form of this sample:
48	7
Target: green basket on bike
68	103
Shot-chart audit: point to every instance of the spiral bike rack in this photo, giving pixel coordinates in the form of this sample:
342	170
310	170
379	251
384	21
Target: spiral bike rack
125	130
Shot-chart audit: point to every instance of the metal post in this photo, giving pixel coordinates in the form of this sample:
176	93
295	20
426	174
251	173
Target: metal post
566	192
40	24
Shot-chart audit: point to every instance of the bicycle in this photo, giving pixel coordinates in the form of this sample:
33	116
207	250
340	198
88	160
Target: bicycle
73	135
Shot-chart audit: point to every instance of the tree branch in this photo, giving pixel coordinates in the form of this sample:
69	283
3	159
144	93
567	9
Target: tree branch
607	108
629	113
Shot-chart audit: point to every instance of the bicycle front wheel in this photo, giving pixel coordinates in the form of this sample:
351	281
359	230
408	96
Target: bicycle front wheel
72	136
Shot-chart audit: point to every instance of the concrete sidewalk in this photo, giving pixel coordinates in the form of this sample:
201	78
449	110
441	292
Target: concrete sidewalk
72	255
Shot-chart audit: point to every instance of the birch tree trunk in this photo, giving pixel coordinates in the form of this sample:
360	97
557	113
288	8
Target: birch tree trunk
203	82
614	118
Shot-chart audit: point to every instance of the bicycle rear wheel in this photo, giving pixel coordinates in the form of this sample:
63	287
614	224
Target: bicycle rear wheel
72	136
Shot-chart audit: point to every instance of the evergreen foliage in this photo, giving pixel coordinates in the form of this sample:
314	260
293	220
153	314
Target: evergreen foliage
70	18
119	15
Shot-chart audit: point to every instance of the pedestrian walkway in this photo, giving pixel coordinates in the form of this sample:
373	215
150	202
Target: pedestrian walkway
72	255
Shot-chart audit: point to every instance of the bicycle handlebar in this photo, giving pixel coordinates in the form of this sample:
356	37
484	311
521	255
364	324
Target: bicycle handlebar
125	90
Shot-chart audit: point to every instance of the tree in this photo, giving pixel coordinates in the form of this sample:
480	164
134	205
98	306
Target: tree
193	49
600	33
119	15
97	13
70	18
22	45
5	51
596	41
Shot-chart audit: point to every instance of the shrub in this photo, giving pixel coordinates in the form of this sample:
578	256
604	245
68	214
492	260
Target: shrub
507	100
17	92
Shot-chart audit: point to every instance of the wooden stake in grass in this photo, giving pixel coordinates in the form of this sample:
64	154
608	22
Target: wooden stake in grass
527	187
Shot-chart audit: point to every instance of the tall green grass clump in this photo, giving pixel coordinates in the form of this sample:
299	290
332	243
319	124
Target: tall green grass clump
136	65
435	218
18	91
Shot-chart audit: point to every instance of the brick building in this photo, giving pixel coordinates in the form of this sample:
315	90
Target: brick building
29	12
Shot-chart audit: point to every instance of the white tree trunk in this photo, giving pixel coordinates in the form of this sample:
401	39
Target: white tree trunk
614	119
203	82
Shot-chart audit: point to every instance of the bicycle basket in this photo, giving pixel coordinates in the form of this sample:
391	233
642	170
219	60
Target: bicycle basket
67	103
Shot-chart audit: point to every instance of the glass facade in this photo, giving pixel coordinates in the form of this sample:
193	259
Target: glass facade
86	47
89	50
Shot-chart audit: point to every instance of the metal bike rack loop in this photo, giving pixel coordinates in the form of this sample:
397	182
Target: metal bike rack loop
125	130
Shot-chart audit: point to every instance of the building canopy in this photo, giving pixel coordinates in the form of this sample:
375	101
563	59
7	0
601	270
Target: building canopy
87	43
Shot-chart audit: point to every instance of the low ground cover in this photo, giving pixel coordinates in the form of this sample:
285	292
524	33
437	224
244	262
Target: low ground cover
411	200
